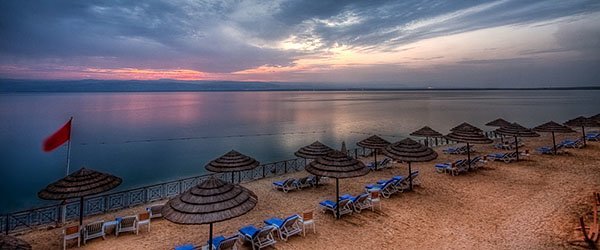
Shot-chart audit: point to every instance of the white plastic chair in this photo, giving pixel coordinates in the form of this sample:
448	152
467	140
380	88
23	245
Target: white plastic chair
155	210
71	233
127	224
93	230
307	219
144	219
375	198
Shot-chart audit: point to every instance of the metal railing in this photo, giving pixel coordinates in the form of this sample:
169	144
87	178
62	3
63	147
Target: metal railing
99	204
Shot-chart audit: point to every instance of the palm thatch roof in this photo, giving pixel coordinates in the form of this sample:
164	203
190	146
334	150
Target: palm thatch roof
582	122
498	123
554	127
210	201
410	151
13	243
466	126
468	133
514	129
595	118
313	151
373	142
83	182
232	161
426	132
336	164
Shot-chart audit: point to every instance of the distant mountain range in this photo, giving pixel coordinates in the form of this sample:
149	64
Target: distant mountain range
167	85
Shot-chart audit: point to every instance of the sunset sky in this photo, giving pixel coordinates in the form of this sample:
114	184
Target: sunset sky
511	43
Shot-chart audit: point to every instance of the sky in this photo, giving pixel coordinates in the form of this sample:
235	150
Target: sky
505	43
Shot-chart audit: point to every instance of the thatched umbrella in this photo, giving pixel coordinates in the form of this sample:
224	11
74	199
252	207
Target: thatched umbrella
313	151
409	151
83	182
469	134
553	127
582	122
338	165
211	201
595	118
498	123
375	143
466	126
516	130
427	132
232	161
13	243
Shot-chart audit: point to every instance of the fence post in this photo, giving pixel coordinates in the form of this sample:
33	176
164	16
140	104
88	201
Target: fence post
285	167
263	167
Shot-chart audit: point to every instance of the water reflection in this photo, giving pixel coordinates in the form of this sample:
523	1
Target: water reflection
150	137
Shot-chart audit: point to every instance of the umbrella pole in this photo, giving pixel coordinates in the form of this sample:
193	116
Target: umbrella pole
426	141
410	176
232	178
375	159
469	155
517	147
554	143
583	134
337	198
210	234
81	211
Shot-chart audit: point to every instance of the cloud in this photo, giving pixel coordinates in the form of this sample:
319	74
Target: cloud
225	37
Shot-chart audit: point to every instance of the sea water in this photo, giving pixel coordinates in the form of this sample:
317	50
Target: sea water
147	138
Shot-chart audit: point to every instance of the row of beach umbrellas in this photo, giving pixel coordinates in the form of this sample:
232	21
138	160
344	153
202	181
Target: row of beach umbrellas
215	200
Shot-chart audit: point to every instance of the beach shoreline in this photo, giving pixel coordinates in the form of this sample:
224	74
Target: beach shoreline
534	203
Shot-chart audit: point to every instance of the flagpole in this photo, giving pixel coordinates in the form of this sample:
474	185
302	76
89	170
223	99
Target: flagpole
69	147
63	204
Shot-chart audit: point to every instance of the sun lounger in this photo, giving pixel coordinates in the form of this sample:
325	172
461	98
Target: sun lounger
345	206
385	163
455	150
222	243
286	227
259	238
505	145
305	182
458	150
450	167
286	185
572	143
361	202
358	202
592	136
387	187
477	162
506	157
186	247
93	230
545	150
404	184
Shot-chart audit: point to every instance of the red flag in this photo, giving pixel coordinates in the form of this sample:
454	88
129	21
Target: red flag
58	138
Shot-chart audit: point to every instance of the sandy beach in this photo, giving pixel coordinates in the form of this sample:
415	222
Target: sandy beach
531	204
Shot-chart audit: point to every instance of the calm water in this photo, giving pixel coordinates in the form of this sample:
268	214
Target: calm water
152	137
